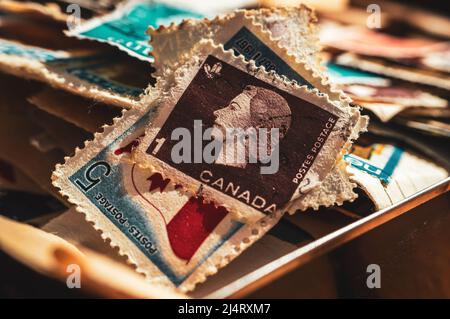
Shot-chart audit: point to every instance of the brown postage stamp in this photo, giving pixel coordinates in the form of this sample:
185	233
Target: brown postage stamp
266	37
164	220
211	133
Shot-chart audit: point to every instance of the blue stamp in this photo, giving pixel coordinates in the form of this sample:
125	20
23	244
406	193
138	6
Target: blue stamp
105	71
247	44
381	163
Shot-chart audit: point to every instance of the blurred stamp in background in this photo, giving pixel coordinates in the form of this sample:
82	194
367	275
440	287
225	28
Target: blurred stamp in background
413	59
125	27
78	72
384	172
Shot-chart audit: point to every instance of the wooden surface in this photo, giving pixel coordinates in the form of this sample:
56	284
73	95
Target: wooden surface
280	267
308	272
411	250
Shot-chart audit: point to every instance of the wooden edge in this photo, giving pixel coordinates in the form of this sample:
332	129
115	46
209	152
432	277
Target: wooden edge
283	265
51	256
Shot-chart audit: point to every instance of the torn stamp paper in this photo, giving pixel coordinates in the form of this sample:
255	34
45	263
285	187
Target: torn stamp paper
313	133
173	238
125	27
295	28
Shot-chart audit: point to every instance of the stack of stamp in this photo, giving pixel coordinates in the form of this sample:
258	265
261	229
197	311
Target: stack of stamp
398	72
56	91
155	181
398	78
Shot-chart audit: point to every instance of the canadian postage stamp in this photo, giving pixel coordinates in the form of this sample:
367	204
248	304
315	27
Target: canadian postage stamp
81	73
125	27
307	134
250	34
172	237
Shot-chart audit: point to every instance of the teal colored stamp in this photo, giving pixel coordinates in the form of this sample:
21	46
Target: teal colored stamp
126	27
339	74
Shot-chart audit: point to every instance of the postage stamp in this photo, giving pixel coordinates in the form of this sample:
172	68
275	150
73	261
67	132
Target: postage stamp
144	213
383	172
294	28
81	73
250	34
409	51
387	102
313	133
239	32
125	27
402	95
387	68
341	75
